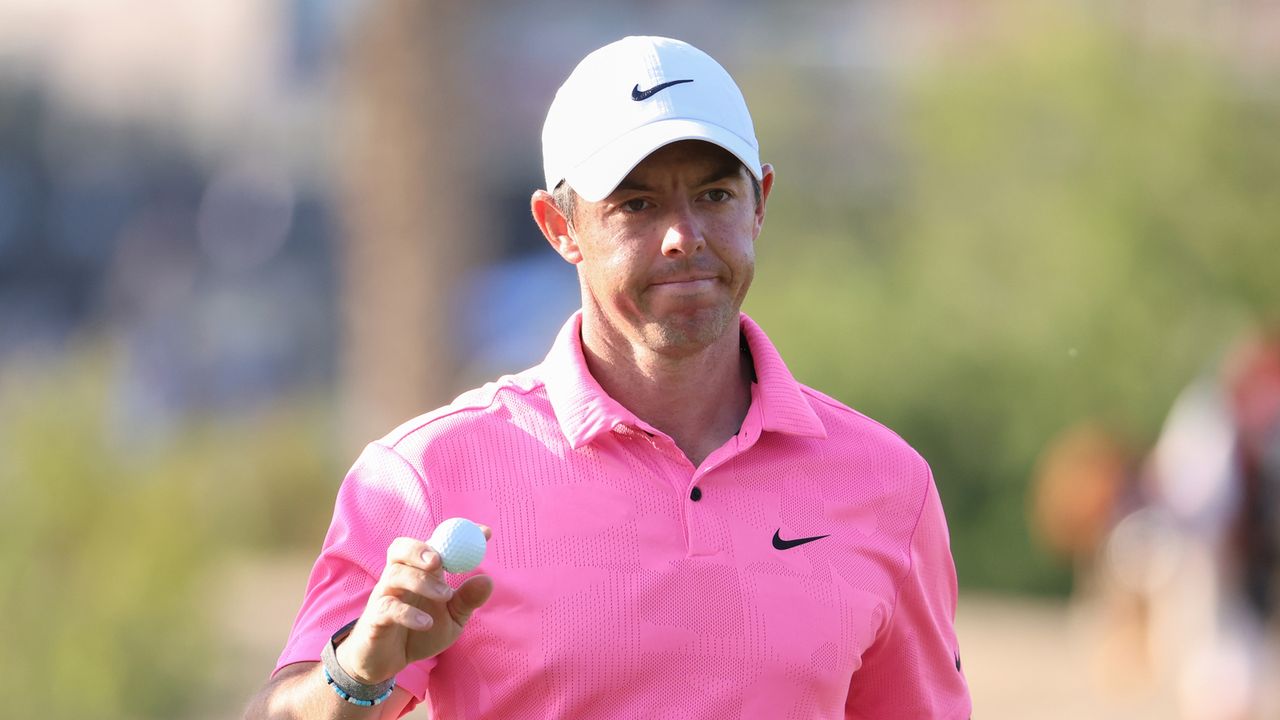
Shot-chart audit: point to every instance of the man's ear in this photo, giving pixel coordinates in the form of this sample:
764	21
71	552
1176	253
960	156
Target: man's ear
766	186
555	226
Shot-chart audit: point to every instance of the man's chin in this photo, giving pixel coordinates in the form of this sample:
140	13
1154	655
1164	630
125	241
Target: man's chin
685	332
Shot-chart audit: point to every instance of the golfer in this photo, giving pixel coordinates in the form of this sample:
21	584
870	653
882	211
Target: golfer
678	528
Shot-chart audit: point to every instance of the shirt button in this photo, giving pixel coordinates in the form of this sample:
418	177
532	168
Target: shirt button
695	494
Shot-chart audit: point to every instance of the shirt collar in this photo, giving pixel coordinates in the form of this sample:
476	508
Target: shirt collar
585	411
783	405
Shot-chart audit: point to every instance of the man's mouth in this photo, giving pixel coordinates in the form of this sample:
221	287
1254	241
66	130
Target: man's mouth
690	280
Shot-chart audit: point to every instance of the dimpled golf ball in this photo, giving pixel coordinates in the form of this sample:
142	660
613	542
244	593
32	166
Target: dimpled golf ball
460	544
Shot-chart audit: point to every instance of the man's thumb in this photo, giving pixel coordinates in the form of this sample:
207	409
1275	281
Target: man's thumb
471	594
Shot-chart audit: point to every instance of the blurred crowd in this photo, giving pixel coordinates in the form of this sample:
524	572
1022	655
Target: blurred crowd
1177	549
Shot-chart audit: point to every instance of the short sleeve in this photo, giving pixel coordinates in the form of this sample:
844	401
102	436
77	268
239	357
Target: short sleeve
382	497
913	669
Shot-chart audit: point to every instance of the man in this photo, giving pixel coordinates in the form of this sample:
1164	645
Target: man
679	528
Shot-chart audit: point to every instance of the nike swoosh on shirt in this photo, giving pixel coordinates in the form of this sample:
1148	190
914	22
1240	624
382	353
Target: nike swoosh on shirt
781	544
637	94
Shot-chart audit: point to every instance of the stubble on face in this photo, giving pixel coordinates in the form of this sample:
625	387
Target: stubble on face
625	279
681	333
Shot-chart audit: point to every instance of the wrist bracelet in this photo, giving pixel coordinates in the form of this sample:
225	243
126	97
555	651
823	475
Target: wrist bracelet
347	687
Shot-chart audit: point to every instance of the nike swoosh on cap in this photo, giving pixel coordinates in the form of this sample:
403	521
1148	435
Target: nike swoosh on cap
637	94
781	544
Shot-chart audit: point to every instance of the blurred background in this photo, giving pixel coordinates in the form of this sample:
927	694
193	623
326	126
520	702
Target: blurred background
241	238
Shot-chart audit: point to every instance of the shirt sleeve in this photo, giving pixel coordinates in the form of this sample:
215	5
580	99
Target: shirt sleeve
913	669
383	497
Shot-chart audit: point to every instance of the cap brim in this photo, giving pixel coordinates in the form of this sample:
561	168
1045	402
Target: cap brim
596	177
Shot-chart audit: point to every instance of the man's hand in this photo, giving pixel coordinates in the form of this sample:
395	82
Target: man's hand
412	613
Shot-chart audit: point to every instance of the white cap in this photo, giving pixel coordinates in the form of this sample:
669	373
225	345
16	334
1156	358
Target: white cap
632	97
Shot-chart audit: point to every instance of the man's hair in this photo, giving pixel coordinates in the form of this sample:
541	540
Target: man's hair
567	200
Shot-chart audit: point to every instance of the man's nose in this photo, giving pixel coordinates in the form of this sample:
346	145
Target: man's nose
684	234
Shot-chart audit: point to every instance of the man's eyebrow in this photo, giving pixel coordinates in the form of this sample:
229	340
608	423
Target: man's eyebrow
729	168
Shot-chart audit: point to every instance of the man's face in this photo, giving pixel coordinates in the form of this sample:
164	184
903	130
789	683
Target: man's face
667	258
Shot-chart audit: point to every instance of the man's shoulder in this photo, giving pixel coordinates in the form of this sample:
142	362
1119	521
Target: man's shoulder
489	405
847	426
876	466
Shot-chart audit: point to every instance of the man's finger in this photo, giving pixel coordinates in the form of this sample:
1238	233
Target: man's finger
414	553
399	579
469	596
390	611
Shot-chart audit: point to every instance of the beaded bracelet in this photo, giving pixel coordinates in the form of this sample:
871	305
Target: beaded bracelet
347	687
354	700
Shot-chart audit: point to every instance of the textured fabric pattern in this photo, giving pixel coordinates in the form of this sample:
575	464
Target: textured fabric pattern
619	596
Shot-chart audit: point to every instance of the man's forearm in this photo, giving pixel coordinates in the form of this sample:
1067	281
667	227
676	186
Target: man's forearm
299	692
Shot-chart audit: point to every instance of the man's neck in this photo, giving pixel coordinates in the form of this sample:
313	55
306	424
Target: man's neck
699	399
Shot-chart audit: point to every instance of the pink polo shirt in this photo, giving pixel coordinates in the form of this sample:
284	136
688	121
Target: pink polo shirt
802	571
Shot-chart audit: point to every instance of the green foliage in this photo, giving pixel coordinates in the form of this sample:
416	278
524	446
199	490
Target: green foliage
108	541
268	478
98	560
1080	223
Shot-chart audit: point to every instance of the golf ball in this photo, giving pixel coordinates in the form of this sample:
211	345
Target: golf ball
460	544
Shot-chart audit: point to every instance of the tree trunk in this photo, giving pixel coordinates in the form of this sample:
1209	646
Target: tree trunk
406	199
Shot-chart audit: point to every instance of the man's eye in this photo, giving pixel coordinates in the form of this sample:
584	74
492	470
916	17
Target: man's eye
718	196
635	205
